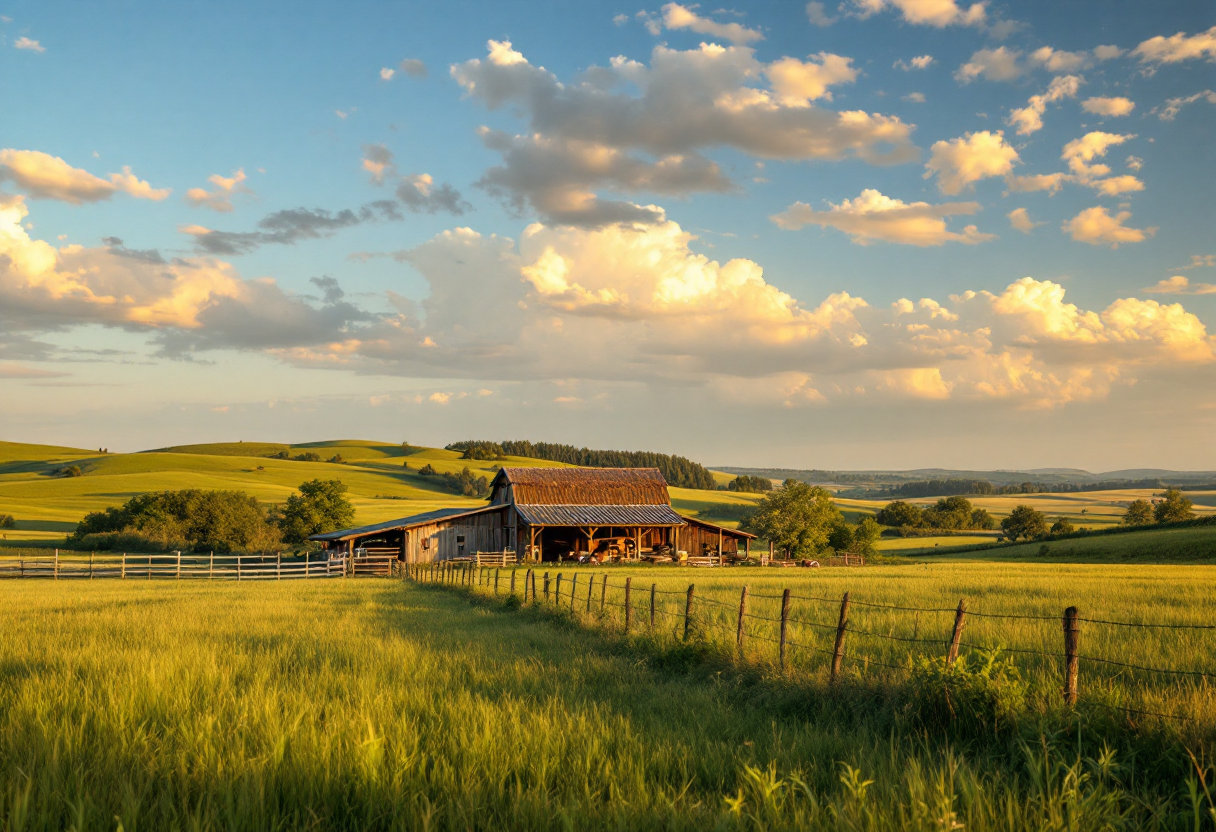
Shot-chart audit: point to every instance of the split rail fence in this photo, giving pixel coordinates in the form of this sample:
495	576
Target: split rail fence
792	630
178	566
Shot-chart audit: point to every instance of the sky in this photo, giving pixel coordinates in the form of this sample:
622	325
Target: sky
870	234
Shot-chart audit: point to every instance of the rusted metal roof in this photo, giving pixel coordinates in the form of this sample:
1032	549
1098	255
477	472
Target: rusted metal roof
594	515
402	523
585	486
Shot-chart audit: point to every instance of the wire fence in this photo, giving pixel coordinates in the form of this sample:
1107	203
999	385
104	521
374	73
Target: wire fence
797	632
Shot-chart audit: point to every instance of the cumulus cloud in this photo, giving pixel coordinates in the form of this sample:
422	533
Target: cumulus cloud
387	73
288	227
1169	111
1097	227
1021	221
676	16
1000	64
29	45
919	62
1005	64
420	194
413	68
915	97
44	176
1081	153
378	162
873	216
817	15
1178	47
937	13
1058	60
959	163
1029	119
1104	106
1179	285
598	133
1050	182
219	198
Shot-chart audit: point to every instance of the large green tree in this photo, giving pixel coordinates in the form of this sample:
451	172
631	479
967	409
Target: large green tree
320	507
1024	522
1174	508
797	518
900	514
1139	513
220	521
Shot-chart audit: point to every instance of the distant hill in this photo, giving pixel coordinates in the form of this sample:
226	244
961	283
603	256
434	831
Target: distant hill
1045	476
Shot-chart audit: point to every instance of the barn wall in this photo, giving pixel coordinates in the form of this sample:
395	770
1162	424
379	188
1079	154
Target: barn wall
441	540
694	539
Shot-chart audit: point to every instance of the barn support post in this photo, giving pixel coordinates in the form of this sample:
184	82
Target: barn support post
720	552
841	628
747	548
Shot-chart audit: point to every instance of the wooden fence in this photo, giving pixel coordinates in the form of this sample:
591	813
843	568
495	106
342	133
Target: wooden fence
636	607
178	566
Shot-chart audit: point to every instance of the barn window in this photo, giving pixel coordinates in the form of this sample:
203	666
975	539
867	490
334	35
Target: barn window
426	543
459	540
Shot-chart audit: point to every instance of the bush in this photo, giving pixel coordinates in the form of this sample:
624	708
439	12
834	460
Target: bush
308	457
221	521
337	459
750	485
70	471
981	691
319	507
7	521
1062	526
428	470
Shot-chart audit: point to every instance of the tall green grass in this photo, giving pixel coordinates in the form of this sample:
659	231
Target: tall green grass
383	705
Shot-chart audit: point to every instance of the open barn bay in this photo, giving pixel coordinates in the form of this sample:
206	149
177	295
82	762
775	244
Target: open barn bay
384	705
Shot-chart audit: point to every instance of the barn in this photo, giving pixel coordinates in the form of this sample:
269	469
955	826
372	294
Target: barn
552	514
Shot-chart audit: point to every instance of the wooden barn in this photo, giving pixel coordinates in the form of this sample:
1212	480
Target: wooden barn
552	514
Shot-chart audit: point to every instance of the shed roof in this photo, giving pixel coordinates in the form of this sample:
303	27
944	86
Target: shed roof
596	515
585	486
402	523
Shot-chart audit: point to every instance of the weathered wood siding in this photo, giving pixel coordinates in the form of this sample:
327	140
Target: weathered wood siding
445	539
695	537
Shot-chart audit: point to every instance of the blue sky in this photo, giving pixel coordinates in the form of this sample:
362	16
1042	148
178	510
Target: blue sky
879	233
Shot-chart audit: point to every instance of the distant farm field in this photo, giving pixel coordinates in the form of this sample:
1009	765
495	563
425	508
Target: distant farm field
377	704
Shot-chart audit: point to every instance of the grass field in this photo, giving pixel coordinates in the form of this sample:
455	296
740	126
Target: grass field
380	705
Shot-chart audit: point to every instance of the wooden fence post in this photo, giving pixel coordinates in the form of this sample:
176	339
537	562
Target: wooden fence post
785	620
307	563
546	587
1072	642
841	628
238	568
532	582
652	590
628	606
211	566
56	564
590	587
90	566
513	583
960	616
278	566
742	612
497	572
688	610
178	576
124	566
573	590
603	592
149	567
557	592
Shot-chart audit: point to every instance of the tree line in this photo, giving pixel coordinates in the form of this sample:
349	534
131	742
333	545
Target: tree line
950	513
955	486
218	521
677	470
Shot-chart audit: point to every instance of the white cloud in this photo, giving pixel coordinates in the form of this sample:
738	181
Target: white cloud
937	13
1134	163
873	216
676	16
1000	64
797	83
919	62
413	68
915	97
1169	111
1103	106
961	162
378	162
1029	119
1020	220
386	73
1051	182
620	19
1106	53
1080	153
597	133
30	45
1179	285
1199	261
219	198
816	15
1097	227
1178	47
1057	60
49	177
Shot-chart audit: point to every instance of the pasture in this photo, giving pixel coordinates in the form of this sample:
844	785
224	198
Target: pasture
378	704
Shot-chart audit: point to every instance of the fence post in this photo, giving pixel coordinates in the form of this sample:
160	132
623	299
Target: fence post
573	590
960	616
742	613
590	587
628	606
688	610
497	572
603	592
90	566
211	566
179	565
546	587
557	591
278	566
307	563
1072	642
56	564
652	589
512	583
238	568
149	567
785	620
124	566
532	581
841	628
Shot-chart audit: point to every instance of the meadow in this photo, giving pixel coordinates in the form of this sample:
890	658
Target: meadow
380	704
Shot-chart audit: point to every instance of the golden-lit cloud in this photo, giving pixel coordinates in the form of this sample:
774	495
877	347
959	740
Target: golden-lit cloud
1104	106
797	83
1097	227
44	176
1029	119
676	16
219	198
872	216
1180	285
959	163
937	13
1178	47
1021	221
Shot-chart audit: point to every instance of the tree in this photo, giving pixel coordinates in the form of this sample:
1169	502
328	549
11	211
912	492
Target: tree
949	513
222	521
900	514
70	471
1026	523
1062	526
7	521
865	534
1139	513
797	518
337	459
1174	508
748	484
981	519
320	507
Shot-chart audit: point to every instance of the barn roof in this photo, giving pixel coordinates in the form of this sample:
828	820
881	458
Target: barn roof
585	486
402	523
580	515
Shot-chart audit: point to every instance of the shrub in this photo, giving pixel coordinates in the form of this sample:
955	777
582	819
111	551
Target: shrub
337	459
1139	513
981	691
1174	508
319	507
70	471
7	521
221	521
428	470
1062	526
308	457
